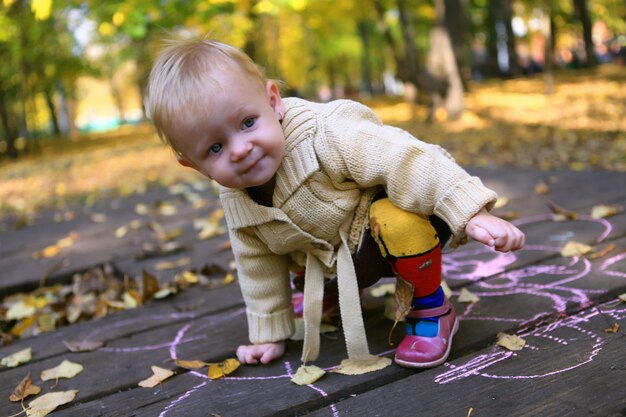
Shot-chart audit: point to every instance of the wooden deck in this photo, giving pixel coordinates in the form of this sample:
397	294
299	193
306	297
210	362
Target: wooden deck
570	366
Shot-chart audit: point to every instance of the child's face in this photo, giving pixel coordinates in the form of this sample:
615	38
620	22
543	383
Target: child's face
239	142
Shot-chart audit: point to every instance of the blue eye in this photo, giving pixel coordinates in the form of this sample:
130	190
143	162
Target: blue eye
248	123
215	148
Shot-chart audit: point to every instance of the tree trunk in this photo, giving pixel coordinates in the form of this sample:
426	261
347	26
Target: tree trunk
56	130
456	24
548	47
411	60
390	41
366	60
11	133
501	41
446	88
583	14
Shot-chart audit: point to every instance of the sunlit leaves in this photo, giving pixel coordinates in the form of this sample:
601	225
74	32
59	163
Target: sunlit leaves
47	403
307	374
221	369
158	375
41	8
17	358
66	369
510	342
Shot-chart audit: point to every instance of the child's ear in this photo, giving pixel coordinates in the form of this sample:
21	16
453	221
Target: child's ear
276	102
186	163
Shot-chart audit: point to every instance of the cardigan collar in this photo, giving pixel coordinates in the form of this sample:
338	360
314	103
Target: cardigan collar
299	162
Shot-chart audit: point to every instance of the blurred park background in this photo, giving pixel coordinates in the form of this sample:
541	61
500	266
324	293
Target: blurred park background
497	82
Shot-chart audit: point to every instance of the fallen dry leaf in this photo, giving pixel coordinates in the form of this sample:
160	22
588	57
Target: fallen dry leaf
83	345
573	248
221	369
403	296
362	366
446	289
159	375
47	403
562	214
510	341
609	248
613	329
307	374
24	389
622	297
467	297
66	369
601	211
541	188
192	364
20	310
17	358
165	265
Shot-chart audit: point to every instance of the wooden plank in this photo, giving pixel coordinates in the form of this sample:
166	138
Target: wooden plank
187	393
96	243
571	367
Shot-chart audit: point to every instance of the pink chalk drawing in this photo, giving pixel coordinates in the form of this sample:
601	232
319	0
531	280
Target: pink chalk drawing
555	285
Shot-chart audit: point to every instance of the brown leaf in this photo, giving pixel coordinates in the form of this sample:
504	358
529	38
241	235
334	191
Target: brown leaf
561	213
613	329
609	248
403	297
150	285
24	389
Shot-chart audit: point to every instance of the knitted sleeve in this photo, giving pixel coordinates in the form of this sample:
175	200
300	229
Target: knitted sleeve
418	177
264	281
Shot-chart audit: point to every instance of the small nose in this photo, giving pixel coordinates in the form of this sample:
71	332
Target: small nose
240	149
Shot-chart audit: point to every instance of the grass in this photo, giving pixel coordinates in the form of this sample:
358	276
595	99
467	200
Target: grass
506	123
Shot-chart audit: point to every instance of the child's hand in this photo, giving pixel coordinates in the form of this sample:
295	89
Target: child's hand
495	232
265	352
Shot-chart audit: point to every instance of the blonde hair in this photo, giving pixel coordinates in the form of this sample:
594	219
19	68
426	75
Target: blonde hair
178	80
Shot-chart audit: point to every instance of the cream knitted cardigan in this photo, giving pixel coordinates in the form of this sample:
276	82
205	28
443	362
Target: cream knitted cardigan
337	157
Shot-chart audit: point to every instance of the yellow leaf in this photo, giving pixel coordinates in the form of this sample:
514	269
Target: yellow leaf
228	278
162	266
613	329
501	202
23	325
221	369
362	366
403	296
165	292
47	403
510	341
120	232
467	297
99	218
622	297
193	364
17	358
446	289
190	277
573	248
20	311
141	209
307	375
24	389
601	211
65	369
41	9
159	375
